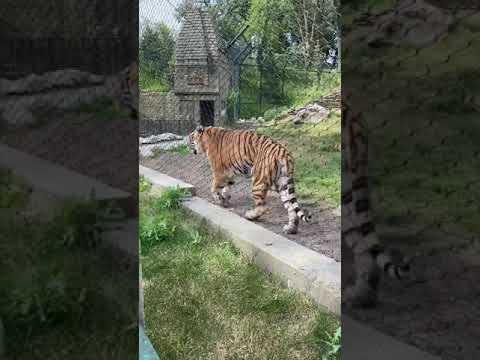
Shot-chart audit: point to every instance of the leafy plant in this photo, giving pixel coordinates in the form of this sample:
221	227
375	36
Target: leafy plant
82	223
12	193
153	230
169	199
46	300
333	343
144	185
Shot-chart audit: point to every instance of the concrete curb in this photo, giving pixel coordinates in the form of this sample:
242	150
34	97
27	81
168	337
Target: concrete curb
161	181
300	268
53	184
297	266
361	342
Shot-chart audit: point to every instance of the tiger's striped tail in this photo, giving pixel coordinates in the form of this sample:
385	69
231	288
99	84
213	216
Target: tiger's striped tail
286	185
385	262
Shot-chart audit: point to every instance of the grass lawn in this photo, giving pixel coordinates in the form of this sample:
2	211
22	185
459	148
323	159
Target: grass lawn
53	288
316	149
424	162
104	109
204	300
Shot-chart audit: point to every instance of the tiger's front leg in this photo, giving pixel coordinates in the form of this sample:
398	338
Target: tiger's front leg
220	188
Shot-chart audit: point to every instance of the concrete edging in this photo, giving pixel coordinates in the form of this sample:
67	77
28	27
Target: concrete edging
361	342
161	181
54	184
54	179
298	267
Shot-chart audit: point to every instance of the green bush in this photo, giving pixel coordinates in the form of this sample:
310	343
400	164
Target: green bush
82	223
169	199
144	185
153	230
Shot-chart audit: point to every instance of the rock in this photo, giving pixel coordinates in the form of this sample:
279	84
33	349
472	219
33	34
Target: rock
313	113
318	116
155	139
18	115
34	83
412	23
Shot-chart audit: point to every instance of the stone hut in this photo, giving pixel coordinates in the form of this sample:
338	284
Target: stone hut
202	71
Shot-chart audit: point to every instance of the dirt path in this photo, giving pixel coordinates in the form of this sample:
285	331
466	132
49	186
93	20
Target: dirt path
438	309
106	150
322	234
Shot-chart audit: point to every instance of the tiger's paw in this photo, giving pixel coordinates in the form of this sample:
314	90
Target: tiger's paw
289	229
219	200
251	215
354	299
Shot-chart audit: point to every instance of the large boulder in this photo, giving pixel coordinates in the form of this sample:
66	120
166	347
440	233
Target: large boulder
313	113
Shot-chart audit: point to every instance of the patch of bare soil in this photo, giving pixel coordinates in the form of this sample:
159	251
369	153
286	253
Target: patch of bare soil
106	150
437	310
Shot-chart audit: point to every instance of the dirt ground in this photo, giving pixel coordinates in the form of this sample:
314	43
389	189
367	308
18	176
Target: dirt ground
102	149
437	310
321	234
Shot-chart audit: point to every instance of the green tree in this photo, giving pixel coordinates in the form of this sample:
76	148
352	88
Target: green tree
157	54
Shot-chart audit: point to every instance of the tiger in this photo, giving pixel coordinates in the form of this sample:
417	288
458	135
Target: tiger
371	259
246	153
123	89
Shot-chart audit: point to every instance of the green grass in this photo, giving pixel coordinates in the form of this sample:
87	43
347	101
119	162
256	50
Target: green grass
104	109
316	149
428	185
297	93
182	150
204	300
300	94
151	84
144	185
419	180
53	289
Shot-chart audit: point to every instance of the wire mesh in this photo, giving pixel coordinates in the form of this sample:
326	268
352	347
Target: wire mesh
410	69
233	80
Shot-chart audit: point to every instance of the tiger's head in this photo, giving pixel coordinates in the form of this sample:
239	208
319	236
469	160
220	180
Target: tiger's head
195	142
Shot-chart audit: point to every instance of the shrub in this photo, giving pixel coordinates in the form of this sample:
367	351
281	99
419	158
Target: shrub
82	223
144	185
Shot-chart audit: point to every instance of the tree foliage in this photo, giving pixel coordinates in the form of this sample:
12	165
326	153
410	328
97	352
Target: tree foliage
157	54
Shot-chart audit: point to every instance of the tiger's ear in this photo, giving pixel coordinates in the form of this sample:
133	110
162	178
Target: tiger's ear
199	129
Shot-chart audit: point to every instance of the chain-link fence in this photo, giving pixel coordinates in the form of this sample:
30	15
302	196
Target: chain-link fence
410	68
223	75
198	68
23	56
60	39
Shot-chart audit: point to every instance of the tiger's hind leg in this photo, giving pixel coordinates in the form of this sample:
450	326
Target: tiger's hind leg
288	197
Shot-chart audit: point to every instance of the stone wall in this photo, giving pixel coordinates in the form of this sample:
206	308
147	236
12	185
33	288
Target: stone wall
158	106
164	112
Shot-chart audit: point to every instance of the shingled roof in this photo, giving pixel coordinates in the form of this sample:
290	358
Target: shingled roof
197	40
